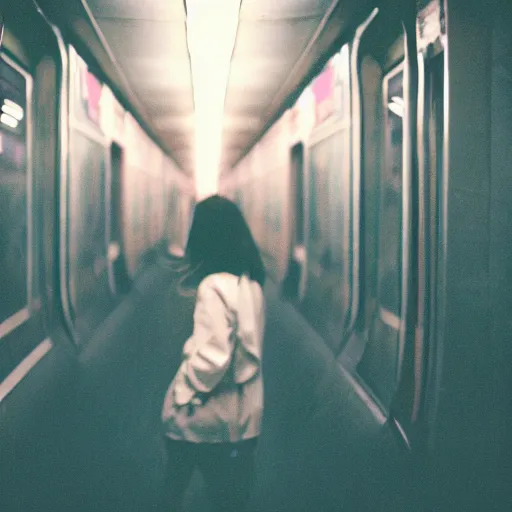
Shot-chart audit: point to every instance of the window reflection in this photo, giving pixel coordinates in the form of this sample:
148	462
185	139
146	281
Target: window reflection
87	235
391	197
13	192
325	299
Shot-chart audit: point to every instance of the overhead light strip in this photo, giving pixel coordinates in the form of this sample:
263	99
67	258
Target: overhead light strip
211	35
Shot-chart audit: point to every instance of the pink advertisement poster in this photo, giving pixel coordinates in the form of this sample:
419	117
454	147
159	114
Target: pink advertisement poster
94	95
323	91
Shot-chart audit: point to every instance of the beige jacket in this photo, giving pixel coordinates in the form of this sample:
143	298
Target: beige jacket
234	410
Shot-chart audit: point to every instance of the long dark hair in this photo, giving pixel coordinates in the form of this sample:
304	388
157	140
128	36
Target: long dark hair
220	241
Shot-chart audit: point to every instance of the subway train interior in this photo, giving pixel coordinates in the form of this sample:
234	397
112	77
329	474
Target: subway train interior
368	144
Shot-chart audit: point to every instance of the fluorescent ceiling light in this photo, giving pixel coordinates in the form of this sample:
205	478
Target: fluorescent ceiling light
8	120
398	99
211	34
397	106
12	104
13	110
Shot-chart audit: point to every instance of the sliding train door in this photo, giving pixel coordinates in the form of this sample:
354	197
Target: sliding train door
118	272
385	70
291	283
401	109
414	403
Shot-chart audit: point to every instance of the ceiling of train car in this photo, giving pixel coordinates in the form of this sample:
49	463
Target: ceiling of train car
272	36
148	39
280	45
277	45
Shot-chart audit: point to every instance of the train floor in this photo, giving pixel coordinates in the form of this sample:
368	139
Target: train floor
96	444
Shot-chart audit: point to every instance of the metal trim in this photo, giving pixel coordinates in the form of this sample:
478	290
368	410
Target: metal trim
356	155
402	433
422	228
409	169
14	321
366	396
23	368
63	140
441	270
347	189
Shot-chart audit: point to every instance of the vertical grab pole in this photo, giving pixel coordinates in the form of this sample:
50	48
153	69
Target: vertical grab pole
409	294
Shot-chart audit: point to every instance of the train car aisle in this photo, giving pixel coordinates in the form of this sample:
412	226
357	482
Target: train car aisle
94	445
320	450
321	447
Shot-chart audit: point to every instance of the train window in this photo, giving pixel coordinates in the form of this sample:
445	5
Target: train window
87	255
383	225
13	198
326	298
87	214
390	232
318	249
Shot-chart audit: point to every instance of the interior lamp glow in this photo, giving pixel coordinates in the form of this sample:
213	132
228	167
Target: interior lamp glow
397	106
8	120
12	109
211	32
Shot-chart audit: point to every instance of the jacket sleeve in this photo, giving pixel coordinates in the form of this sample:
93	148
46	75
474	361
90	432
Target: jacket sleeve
206	366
